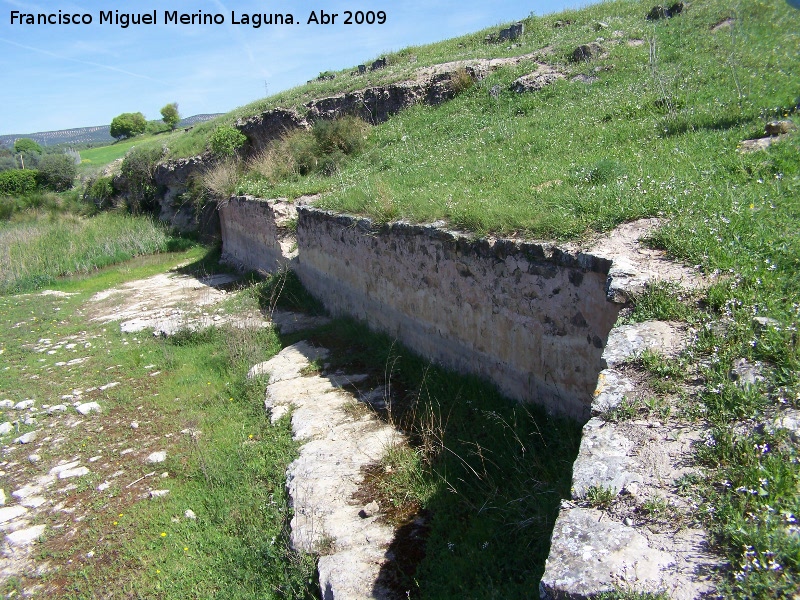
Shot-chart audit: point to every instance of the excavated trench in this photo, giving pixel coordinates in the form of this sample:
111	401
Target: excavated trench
536	320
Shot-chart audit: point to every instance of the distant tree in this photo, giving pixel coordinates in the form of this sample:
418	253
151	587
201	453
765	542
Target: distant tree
128	125
57	171
23	145
170	115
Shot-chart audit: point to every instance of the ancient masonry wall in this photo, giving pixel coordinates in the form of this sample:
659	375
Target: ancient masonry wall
256	233
529	317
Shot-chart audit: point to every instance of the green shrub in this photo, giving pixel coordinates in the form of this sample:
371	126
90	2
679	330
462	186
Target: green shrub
100	191
226	140
461	81
346	135
7	161
138	168
17	182
57	172
302	149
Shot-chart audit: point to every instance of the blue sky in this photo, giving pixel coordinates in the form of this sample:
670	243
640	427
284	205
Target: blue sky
63	76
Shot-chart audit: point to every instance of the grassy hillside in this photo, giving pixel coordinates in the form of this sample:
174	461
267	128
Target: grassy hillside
651	127
653	135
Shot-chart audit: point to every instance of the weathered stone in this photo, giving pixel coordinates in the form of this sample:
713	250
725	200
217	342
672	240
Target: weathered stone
755	145
370	510
24	537
34	502
612	389
158	494
502	309
788	419
175	177
511	33
323	479
263	129
58	469
761	324
25	404
254	231
603	460
746	373
779	127
56	409
587	79
156	457
8	513
627	341
533	82
663	12
288	363
88	407
189	514
75	472
6	428
27	438
591	555
586	52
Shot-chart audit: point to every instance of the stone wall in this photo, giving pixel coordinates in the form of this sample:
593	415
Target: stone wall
256	234
530	317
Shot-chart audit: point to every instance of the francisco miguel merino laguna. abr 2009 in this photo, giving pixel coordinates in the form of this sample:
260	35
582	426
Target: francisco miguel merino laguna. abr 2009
255	20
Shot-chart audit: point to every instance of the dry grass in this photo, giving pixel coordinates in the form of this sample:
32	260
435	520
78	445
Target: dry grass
221	179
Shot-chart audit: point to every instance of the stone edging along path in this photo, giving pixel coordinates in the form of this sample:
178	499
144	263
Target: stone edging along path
340	440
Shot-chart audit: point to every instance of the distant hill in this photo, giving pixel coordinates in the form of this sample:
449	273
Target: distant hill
85	135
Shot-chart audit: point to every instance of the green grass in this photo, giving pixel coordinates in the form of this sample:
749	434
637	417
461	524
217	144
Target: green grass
232	475
489	473
650	138
92	158
37	249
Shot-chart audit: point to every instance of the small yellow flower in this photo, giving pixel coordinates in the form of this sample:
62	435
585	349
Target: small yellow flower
158	571
163	534
250	436
185	549
120	514
115	522
752	206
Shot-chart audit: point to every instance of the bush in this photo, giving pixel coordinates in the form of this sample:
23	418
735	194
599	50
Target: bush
345	134
226	140
57	171
461	81
18	183
7	162
138	168
322	149
100	191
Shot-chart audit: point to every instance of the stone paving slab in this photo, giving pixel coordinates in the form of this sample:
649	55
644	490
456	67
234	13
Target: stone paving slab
338	444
